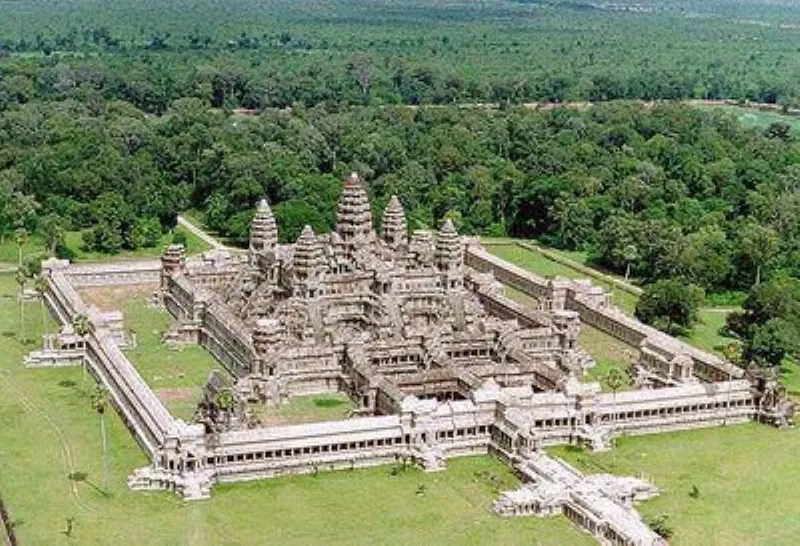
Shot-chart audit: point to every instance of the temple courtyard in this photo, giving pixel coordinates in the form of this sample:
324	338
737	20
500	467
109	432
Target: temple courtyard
732	485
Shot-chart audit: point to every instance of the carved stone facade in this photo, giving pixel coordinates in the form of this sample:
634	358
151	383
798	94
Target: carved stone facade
417	331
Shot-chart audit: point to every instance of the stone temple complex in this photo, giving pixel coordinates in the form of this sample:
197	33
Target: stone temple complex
414	328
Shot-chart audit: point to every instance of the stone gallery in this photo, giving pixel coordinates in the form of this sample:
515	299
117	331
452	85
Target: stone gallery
416	330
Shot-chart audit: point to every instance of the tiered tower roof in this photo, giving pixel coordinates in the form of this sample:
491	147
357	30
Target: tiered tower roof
308	253
264	229
394	223
354	218
449	253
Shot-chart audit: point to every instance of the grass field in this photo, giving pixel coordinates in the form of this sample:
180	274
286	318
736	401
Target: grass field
746	476
176	374
758	119
307	409
74	242
540	264
48	431
607	351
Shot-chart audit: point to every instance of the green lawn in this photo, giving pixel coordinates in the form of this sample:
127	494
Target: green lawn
307	409
747	477
705	333
74	242
519	296
608	351
758	119
540	264
177	374
48	430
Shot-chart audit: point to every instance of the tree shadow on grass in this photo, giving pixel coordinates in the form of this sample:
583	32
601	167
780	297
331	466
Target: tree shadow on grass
329	402
83	477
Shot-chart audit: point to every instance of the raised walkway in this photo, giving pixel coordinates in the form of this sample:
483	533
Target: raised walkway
215	243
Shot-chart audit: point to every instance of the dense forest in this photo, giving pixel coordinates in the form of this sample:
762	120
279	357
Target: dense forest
115	117
274	53
664	190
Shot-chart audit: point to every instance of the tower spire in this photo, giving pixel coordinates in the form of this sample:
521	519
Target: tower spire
308	254
449	254
263	229
354	217
394	223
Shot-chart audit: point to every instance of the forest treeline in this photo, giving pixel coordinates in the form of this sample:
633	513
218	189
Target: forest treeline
662	192
244	54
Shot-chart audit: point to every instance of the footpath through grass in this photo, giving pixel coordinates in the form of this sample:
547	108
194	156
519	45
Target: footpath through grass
49	431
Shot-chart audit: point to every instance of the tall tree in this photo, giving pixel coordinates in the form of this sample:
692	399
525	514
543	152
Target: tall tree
21	279
82	326
99	403
41	288
670	305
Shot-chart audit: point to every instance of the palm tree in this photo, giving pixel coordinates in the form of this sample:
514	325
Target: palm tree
630	254
21	279
616	378
99	403
40	284
21	237
226	402
81	325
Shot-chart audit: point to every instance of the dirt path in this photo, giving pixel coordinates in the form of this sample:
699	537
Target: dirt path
183	222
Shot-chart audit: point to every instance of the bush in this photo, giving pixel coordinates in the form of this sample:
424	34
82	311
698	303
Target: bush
661	526
104	237
179	238
146	233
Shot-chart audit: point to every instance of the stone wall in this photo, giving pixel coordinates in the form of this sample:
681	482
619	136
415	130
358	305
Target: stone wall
595	309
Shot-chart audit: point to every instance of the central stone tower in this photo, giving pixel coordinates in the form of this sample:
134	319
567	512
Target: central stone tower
354	217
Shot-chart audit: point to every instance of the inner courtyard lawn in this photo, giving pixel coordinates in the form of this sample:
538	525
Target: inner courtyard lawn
311	408
176	374
608	352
